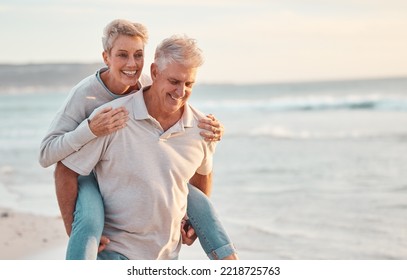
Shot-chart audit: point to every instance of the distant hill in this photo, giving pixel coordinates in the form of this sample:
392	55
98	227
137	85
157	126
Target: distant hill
44	75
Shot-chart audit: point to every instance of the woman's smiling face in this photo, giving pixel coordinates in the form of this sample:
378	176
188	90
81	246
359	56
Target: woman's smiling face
125	61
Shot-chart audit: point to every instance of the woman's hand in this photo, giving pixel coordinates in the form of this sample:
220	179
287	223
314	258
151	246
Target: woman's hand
213	129
108	120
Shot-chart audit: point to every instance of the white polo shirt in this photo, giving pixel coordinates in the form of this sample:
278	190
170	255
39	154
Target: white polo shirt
142	173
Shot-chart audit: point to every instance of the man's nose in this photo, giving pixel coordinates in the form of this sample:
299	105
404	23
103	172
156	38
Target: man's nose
180	90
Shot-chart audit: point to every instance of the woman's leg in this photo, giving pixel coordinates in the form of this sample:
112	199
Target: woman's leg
210	231
88	221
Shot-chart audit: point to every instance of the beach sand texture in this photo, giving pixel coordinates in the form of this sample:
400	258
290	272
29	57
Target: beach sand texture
25	236
35	237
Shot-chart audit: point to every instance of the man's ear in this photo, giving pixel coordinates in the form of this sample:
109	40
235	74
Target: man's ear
154	71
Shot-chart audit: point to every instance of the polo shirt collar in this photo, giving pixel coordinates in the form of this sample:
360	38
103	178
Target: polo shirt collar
188	116
140	110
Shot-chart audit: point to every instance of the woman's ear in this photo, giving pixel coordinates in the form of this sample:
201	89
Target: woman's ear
105	58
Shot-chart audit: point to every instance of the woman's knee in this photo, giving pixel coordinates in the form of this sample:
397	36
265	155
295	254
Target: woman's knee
197	199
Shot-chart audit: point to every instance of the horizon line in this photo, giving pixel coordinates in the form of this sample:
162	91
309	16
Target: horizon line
207	82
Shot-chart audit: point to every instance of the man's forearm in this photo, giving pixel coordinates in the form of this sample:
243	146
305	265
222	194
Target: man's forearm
202	182
66	185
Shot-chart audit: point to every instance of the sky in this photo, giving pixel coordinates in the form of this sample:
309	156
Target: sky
244	41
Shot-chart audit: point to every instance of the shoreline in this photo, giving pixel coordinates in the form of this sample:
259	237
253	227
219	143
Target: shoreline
24	236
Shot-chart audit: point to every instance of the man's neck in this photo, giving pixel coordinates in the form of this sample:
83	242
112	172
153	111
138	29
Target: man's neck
166	120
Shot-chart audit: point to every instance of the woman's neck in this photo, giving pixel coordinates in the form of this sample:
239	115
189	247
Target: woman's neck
114	87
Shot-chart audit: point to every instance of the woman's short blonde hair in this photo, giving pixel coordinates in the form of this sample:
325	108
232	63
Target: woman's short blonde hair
122	27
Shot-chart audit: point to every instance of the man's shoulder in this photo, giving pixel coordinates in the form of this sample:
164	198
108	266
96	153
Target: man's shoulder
196	113
118	102
124	101
145	80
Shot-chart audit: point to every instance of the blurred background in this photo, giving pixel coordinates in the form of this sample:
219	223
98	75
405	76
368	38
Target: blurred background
313	96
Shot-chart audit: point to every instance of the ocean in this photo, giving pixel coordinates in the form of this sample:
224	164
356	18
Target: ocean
306	170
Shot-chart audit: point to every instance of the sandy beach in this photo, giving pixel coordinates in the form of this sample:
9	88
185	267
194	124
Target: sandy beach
28	236
35	237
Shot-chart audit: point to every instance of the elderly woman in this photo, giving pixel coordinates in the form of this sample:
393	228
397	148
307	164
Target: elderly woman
82	207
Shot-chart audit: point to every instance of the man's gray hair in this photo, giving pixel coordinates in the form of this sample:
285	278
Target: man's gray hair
180	49
122	27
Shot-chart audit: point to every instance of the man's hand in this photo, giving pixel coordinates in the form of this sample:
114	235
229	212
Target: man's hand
103	243
213	129
108	120
188	233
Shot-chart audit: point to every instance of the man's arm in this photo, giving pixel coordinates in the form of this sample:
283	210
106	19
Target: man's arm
66	184
202	182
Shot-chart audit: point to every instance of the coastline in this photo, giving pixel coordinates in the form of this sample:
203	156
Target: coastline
27	236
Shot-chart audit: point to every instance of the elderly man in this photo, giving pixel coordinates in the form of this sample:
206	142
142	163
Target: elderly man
143	169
